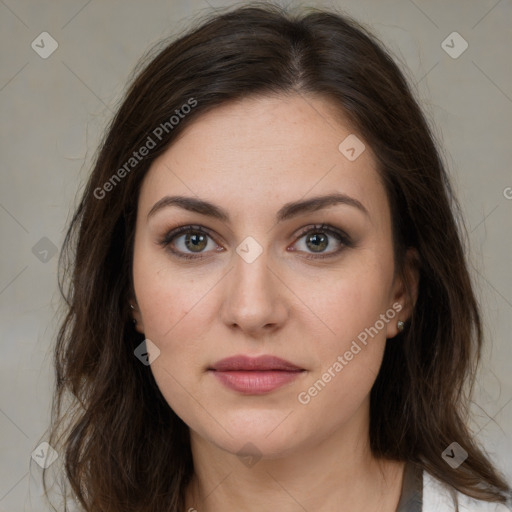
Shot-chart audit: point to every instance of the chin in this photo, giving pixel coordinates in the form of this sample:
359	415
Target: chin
262	434
263	447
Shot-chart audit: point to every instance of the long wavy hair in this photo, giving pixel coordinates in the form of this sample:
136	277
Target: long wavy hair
122	447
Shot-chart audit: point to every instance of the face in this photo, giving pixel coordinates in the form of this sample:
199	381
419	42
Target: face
314	286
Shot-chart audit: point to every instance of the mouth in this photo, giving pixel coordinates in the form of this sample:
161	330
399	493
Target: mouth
255	376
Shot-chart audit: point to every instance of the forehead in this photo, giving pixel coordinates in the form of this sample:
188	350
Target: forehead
263	151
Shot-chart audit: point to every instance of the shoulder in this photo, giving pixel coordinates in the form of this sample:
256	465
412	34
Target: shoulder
437	497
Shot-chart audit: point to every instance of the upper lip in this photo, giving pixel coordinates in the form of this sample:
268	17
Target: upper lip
265	362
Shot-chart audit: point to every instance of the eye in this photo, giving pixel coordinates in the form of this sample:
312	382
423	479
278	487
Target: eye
317	240
195	239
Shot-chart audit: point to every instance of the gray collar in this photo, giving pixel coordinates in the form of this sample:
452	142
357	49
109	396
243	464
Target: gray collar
411	498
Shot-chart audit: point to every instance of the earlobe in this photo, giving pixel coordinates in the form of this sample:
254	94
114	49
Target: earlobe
137	318
395	327
406	292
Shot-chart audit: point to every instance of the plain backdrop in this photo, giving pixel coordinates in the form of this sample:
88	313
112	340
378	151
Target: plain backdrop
55	109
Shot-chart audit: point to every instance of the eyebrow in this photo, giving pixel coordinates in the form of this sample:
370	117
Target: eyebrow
288	211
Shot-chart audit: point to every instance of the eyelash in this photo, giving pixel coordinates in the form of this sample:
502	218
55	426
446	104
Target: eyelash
342	237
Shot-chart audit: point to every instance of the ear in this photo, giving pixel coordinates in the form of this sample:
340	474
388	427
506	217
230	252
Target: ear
405	291
137	317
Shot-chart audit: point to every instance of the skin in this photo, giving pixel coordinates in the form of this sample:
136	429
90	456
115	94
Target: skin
251	157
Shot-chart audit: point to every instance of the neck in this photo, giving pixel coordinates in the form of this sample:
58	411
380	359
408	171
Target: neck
337	473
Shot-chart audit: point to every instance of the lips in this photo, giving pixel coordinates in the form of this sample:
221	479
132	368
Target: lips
261	363
255	375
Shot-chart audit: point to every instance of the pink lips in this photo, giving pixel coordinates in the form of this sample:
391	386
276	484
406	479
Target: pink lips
254	375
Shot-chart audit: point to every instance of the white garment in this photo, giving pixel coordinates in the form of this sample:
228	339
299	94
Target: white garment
437	498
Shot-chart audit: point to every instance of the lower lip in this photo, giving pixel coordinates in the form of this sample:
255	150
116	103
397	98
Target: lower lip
256	382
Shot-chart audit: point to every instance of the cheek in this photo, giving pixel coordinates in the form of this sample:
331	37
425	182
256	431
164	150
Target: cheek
347	303
174	308
167	295
349	357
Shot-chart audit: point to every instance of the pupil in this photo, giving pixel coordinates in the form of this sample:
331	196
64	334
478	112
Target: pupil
195	237
318	243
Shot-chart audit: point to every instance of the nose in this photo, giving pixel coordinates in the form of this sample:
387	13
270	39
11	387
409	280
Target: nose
255	296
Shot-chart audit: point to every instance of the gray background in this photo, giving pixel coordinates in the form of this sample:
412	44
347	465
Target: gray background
54	110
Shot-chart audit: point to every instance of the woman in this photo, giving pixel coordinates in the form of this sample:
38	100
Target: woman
269	304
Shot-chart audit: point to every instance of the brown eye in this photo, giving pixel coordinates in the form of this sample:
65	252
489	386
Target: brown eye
187	242
318	239
196	242
317	242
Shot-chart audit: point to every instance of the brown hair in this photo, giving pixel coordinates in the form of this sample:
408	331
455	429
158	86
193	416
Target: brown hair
124	448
